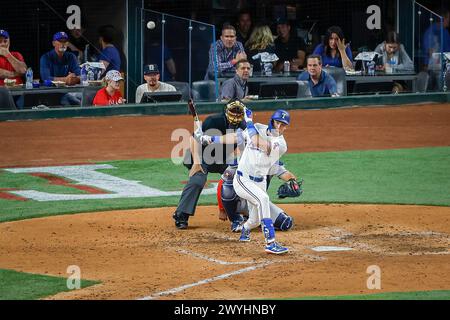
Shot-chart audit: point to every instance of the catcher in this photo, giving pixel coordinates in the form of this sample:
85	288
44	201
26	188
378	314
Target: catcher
235	209
200	162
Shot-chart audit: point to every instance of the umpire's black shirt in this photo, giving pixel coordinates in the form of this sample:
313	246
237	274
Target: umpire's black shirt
220	123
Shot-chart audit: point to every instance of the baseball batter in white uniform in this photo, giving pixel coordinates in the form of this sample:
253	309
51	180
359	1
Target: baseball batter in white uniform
265	145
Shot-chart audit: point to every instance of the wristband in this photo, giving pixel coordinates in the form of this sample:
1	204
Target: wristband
215	139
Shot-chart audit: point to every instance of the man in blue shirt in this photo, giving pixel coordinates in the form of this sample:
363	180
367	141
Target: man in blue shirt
432	46
320	82
228	53
109	55
61	65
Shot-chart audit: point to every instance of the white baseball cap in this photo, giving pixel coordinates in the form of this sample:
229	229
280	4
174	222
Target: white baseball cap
113	75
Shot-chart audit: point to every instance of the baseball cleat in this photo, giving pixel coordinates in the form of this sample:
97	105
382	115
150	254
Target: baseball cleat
275	248
245	235
236	226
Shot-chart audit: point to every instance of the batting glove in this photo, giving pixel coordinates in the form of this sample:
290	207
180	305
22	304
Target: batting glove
248	114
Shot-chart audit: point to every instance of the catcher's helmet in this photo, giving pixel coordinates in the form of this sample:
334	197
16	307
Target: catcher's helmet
234	111
280	115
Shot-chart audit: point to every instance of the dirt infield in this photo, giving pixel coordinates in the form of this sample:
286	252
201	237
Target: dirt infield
139	253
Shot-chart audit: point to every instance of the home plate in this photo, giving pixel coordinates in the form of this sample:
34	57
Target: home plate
329	248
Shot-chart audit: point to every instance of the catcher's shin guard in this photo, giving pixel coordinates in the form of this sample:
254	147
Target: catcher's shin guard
268	230
283	222
230	202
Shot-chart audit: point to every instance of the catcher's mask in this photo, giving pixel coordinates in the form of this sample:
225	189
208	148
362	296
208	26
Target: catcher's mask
234	111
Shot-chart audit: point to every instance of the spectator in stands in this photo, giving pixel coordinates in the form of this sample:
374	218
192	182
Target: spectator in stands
109	55
153	53
334	51
60	65
432	39
432	44
110	95
12	64
77	43
236	88
244	26
320	82
261	40
152	83
392	48
288	47
228	53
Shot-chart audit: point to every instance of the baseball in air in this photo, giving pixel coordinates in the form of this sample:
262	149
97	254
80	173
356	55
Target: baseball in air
151	25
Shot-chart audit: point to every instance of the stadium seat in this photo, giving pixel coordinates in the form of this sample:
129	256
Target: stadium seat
338	75
303	90
183	87
89	95
6	100
422	81
204	90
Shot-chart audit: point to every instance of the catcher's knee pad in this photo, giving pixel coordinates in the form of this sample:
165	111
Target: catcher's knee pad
230	202
283	222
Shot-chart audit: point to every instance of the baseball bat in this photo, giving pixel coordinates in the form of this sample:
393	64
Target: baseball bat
193	111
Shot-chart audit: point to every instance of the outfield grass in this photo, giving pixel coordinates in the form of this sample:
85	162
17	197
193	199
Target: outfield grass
27	286
406	176
415	295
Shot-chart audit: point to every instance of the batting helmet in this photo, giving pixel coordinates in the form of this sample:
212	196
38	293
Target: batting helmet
234	111
281	116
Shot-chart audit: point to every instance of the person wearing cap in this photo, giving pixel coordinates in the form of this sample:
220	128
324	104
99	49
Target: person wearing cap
12	64
288	47
110	95
59	64
152	83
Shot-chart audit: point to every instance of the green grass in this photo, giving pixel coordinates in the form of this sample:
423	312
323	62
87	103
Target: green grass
415	295
404	176
26	286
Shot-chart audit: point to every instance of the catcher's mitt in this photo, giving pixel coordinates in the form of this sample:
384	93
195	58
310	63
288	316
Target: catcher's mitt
291	189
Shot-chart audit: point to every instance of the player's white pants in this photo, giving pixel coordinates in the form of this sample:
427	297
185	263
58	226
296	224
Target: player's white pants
274	209
257	199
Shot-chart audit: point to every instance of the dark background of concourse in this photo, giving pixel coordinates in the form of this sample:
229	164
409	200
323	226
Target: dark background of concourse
32	23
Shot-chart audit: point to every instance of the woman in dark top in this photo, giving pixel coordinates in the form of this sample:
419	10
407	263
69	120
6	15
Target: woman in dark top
333	51
261	40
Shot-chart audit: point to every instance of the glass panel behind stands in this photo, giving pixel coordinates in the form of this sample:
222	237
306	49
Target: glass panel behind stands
428	47
180	48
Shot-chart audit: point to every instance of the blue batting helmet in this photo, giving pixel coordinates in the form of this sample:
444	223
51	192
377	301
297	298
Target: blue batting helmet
280	115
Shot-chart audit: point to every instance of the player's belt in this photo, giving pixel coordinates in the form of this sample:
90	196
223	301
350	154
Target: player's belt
256	179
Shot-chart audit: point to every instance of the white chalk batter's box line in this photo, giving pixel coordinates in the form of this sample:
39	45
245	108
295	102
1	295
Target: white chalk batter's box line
205	257
205	281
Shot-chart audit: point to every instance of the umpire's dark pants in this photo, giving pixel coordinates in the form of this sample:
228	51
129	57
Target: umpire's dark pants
194	187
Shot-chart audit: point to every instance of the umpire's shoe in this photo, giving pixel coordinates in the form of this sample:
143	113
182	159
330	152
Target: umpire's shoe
181	220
